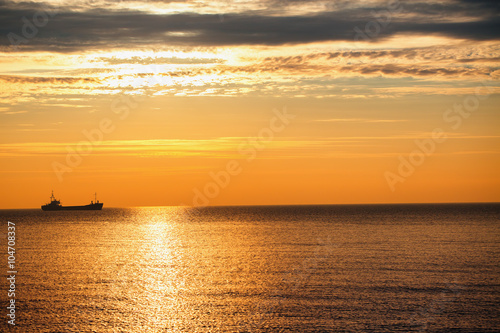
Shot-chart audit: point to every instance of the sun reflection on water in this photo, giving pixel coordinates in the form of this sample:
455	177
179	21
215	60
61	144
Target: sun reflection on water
150	281
226	269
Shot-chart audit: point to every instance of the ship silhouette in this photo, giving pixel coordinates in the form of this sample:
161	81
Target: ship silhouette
56	205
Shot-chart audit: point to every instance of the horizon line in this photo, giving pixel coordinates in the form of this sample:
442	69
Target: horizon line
309	204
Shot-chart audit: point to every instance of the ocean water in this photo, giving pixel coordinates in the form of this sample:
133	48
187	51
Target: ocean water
347	268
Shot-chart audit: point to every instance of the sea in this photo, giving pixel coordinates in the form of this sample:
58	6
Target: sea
325	268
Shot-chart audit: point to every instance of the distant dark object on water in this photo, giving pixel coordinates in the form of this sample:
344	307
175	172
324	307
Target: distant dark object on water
56	205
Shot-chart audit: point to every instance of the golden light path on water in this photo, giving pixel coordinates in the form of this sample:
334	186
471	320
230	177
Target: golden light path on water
258	269
189	274
150	278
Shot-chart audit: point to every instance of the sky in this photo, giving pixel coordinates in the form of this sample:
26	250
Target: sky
259	102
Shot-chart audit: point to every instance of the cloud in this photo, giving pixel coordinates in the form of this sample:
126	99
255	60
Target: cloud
298	67
360	120
35	79
224	147
158	60
227	147
71	30
412	70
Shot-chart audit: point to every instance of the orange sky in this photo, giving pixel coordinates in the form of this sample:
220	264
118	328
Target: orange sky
304	122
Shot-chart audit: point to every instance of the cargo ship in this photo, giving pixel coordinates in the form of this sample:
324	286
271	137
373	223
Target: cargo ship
56	205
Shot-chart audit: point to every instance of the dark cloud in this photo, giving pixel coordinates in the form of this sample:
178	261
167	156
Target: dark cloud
412	70
69	31
294	66
447	10
486	4
495	60
52	80
414	54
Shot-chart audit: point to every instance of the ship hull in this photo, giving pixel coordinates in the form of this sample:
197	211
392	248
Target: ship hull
96	206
